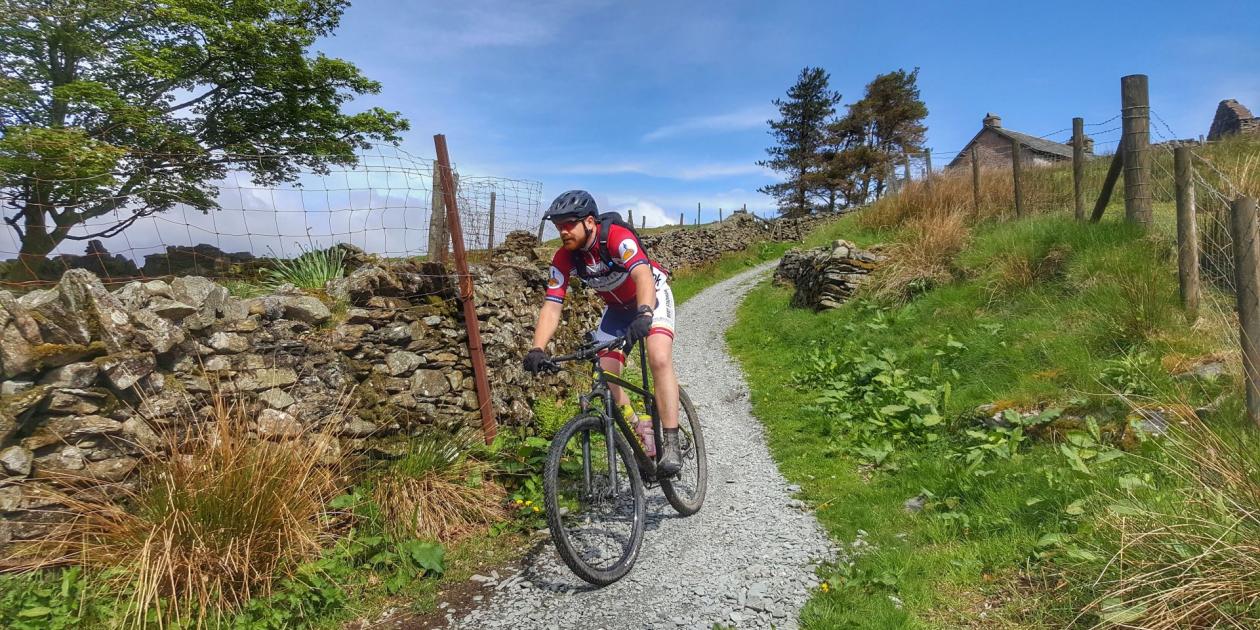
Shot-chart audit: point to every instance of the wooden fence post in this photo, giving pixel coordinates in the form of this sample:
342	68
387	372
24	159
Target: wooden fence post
643	222
927	169
541	224
697	213
490	242
630	216
1078	167
719	215
975	178
1016	170
476	353
1247	291
438	237
682	218
1187	233
905	162
1136	114
890	179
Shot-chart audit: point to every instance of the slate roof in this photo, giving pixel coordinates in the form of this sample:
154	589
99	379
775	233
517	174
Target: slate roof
1040	145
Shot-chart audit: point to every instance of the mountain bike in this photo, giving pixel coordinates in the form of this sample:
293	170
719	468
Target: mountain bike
597	469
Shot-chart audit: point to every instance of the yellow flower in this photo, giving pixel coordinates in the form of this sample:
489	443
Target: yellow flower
518	501
825	587
528	503
536	509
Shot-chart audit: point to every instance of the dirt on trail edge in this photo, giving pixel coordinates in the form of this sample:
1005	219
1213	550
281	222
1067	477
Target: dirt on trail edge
746	560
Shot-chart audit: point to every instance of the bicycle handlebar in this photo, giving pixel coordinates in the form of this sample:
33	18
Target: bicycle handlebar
583	354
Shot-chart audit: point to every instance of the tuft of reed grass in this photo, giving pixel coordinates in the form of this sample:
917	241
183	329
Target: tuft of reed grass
311	271
218	518
1191	560
922	258
438	491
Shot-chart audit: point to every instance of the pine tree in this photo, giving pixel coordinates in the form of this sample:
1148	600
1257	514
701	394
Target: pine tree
801	133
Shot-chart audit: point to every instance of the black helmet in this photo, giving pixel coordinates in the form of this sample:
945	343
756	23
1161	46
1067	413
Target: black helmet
574	204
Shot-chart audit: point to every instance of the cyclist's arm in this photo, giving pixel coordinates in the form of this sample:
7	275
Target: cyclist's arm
548	321
644	285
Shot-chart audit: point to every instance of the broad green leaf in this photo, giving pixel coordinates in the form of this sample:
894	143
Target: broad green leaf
1073	459
38	611
1075	508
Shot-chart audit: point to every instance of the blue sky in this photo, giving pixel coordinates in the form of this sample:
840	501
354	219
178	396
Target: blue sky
661	105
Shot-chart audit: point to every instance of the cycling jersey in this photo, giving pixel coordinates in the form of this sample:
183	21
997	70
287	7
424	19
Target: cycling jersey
611	282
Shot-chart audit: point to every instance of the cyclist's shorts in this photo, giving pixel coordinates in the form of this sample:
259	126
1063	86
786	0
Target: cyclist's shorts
616	320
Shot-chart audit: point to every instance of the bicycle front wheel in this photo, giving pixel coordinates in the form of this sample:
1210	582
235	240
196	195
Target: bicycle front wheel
594	500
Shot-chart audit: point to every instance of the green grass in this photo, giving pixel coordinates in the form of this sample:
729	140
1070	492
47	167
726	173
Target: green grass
1047	312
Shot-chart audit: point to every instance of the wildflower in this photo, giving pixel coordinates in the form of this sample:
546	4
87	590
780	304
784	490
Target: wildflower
519	502
528	503
824	587
536	509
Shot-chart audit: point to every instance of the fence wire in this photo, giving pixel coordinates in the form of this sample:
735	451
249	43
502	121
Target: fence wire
238	223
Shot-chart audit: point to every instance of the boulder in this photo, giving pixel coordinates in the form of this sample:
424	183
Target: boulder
75	375
16	460
273	423
429	383
124	370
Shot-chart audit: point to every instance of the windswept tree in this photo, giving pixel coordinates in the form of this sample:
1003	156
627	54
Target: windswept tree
800	136
113	110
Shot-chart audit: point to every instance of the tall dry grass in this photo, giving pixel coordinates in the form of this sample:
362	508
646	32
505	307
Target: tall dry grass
923	256
438	491
1191	560
219	517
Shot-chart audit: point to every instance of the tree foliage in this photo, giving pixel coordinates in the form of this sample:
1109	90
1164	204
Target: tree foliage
117	109
800	137
844	161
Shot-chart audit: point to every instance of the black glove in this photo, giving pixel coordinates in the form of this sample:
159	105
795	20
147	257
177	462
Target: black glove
534	360
641	325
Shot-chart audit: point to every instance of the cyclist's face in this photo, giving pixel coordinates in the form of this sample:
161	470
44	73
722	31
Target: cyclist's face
573	233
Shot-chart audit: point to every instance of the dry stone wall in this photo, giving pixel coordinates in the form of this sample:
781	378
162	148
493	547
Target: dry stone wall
826	277
89	378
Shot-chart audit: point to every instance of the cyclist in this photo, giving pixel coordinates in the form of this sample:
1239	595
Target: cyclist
638	304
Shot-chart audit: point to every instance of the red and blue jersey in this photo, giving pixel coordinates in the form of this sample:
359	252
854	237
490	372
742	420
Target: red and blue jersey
611	282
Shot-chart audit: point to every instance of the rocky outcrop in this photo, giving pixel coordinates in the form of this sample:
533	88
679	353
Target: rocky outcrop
826	277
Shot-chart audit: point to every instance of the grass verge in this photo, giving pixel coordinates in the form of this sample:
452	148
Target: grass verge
968	448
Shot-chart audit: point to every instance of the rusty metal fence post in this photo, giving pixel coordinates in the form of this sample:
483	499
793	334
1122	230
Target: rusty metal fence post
476	353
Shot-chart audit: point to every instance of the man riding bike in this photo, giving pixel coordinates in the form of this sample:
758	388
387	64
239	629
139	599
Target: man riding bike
638	304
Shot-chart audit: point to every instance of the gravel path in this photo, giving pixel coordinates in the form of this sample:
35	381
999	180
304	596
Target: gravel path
745	560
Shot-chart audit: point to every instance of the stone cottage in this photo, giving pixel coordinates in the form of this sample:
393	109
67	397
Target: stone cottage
993	147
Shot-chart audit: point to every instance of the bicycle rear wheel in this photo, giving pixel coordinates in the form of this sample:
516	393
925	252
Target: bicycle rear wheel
686	490
596	516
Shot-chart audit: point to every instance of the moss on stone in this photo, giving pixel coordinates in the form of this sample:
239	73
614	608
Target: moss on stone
51	355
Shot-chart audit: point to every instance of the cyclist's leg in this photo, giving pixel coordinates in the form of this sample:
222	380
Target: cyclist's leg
613	324
660	351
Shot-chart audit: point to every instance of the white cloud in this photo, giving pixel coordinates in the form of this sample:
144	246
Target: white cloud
684	173
747	118
614	168
447	27
708	171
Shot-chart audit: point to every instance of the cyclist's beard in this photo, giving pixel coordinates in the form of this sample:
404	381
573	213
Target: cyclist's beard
572	242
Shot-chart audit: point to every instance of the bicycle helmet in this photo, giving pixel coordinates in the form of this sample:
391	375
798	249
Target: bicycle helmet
574	204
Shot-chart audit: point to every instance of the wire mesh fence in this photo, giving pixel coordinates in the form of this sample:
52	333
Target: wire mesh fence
136	221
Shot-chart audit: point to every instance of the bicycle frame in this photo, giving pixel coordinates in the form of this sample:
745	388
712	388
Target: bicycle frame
613	417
